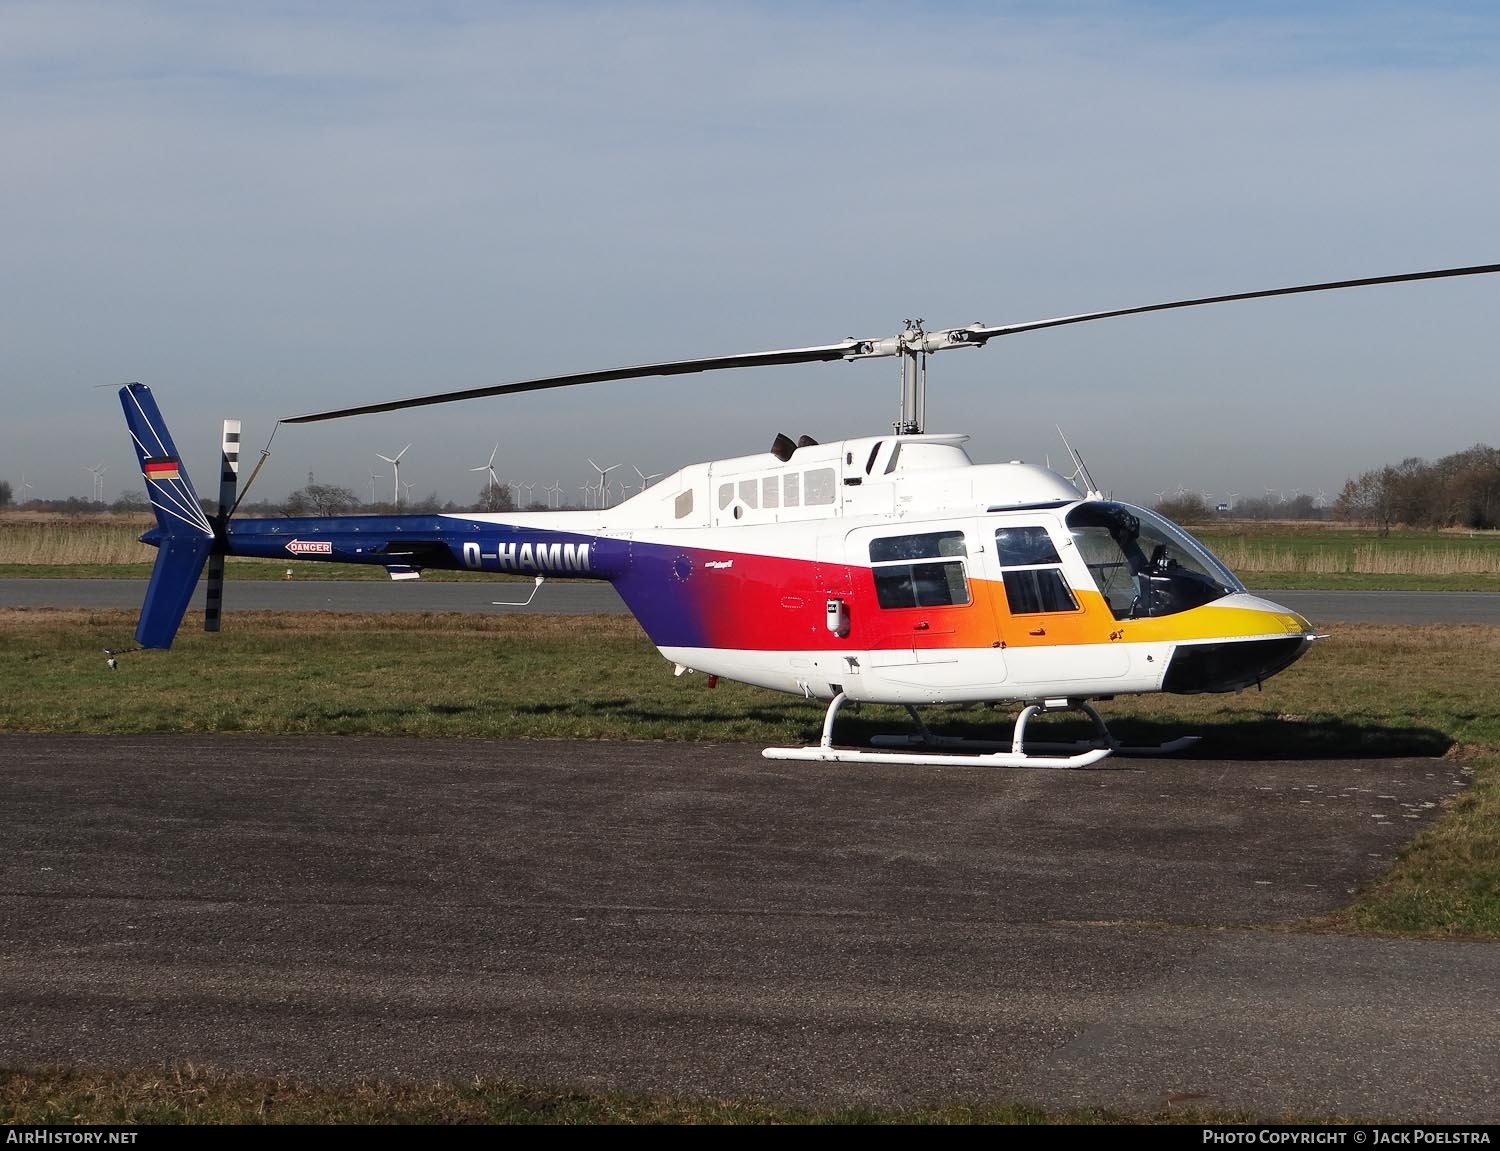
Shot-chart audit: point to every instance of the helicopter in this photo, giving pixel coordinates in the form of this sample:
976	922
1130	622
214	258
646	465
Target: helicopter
887	569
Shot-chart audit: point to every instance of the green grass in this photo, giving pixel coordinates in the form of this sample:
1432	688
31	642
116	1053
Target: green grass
1327	557
1367	581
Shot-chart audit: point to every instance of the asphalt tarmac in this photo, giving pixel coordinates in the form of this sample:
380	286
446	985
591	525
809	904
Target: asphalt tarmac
578	597
698	920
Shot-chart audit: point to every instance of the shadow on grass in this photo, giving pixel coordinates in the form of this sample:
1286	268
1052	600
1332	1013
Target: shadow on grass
1252	736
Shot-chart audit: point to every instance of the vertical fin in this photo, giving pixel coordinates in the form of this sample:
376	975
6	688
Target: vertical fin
183	535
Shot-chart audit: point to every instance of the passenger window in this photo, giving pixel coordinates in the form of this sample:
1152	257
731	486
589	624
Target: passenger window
770	491
1029	591
820	487
684	505
748	489
1025	547
790	489
900	582
726	495
1032	572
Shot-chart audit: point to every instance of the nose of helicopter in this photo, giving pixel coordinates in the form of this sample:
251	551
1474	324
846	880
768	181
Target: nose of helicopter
1258	639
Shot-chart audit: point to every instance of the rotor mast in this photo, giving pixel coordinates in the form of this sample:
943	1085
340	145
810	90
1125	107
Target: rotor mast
913	415
912	347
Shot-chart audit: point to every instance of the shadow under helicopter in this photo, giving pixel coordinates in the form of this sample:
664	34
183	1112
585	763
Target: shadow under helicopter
1252	737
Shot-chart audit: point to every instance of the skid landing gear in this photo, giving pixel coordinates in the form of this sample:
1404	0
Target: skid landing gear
953	751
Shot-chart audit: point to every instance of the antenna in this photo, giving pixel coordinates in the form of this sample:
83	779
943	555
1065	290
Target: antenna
1081	470
396	469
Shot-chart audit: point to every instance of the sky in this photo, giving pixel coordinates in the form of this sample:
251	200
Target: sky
262	210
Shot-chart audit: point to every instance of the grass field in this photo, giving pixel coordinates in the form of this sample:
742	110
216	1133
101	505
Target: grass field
1266	556
1329	557
37	538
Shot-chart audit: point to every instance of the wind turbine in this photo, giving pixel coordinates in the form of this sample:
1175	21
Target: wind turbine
97	471
490	467
25	487
603	488
373	478
554	492
529	488
396	468
408	488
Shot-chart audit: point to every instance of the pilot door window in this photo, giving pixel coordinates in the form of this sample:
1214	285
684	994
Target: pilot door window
1032	572
924	570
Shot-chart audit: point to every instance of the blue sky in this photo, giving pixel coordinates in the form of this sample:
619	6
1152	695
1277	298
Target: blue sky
261	210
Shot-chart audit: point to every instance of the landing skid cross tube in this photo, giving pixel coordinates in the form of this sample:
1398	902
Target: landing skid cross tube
979	753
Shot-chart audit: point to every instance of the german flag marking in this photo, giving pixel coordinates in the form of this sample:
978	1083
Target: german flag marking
159	470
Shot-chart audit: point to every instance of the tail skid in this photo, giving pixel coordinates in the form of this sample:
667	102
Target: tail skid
183	535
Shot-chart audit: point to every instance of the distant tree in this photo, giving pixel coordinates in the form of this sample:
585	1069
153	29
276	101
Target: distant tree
1471	486
4	493
1300	507
1369	499
131	500
1187	508
495	499
1460	490
319	500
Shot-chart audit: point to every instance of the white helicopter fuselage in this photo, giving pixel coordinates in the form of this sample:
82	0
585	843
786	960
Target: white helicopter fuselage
893	569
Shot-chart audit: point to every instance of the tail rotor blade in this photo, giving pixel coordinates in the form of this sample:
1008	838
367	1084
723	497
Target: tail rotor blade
229	478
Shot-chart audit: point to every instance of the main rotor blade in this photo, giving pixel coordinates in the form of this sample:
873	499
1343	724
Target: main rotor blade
837	351
981	333
976	335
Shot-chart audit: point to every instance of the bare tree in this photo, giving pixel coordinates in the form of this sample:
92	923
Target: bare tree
319	500
495	499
